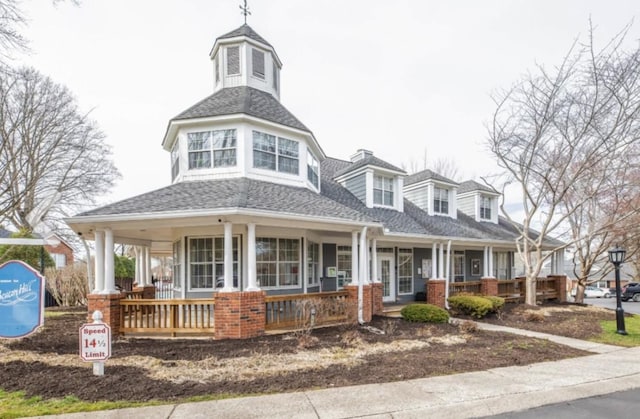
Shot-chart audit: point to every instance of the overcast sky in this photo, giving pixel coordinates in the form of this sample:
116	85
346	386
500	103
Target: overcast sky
395	77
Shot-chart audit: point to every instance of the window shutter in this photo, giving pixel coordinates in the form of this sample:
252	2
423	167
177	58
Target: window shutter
233	60
258	63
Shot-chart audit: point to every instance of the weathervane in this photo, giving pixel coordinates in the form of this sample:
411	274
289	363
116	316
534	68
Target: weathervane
245	11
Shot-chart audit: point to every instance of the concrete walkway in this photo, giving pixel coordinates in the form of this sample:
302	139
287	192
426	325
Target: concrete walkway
474	394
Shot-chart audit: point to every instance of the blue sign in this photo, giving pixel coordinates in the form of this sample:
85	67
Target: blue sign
21	299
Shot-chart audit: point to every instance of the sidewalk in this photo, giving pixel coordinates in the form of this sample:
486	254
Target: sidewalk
474	394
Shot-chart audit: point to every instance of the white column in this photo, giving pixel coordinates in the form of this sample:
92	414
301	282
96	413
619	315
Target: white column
374	261
109	265
354	257
485	264
183	267
99	262
441	262
136	276
434	261
147	265
228	258
491	262
251	256
364	257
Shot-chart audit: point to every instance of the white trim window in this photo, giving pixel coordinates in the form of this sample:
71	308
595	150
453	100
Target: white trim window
405	271
344	266
60	259
233	61
175	160
313	258
485	207
222	143
278	262
175	263
313	169
275	153
257	59
440	200
383	190
206	262
458	266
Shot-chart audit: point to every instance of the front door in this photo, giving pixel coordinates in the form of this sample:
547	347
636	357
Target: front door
386	272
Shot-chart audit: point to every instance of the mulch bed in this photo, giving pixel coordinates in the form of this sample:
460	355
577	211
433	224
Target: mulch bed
482	350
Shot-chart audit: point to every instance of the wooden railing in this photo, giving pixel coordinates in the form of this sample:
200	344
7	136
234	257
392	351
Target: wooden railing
303	310
511	290
167	316
471	287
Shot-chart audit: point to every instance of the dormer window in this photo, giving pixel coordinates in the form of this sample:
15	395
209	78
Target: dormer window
485	208
440	200
383	191
275	153
312	169
257	57
222	143
233	61
175	160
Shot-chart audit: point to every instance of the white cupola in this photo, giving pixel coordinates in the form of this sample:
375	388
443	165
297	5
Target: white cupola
243	58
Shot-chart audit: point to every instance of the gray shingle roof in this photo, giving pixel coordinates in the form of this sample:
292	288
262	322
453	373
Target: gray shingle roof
245	30
367	161
472	185
425	175
245	100
231	193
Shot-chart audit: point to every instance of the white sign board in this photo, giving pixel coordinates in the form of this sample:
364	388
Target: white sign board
95	342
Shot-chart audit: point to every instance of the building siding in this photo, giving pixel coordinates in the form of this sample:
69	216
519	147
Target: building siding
419	197
467	205
358	186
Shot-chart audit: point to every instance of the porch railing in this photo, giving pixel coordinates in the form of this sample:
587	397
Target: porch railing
167	316
471	287
302	310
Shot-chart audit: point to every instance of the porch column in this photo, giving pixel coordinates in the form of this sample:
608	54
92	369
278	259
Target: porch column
374	261
491	275
147	266
364	257
228	258
109	268
485	263
434	258
136	276
99	262
251	255
441	262
354	257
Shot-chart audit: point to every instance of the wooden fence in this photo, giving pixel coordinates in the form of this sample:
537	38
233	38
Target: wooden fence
305	310
471	287
167	316
512	290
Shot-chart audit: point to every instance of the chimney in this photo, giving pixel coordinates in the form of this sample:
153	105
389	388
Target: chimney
361	154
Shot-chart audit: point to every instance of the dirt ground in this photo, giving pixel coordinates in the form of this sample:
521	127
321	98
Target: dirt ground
47	363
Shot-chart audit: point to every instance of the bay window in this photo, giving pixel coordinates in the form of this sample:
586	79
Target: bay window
220	143
275	153
312	169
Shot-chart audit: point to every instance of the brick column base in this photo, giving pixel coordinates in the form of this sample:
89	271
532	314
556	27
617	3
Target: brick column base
239	315
561	287
489	286
352	303
435	289
376	297
109	305
148	292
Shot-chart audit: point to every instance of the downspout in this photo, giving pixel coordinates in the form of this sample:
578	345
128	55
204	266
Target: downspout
362	273
446	279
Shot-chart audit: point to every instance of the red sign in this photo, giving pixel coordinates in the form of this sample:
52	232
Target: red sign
95	342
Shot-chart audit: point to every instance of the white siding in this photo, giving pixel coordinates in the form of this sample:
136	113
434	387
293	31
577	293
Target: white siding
467	204
419	197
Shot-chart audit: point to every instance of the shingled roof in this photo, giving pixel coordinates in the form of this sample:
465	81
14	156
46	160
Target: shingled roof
243	100
244	30
426	175
472	185
367	161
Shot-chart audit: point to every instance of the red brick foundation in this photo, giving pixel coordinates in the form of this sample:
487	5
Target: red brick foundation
435	289
376	296
239	315
489	286
352	299
109	305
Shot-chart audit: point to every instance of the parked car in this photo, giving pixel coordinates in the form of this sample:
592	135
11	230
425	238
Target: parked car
593	292
631	291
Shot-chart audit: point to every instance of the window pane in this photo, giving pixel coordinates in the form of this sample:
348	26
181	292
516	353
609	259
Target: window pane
264	142
199	160
288	165
224	138
287	147
224	158
199	140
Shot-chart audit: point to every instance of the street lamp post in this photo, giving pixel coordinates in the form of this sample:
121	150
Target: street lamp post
616	256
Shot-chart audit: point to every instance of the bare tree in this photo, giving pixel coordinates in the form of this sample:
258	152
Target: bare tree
11	19
443	166
550	131
54	158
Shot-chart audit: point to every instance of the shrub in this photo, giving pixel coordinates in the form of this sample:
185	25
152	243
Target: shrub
424	313
468	327
496	302
475	306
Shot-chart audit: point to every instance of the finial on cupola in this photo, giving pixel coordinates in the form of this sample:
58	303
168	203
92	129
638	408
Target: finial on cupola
245	11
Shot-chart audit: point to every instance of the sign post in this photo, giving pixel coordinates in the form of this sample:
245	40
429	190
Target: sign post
95	343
